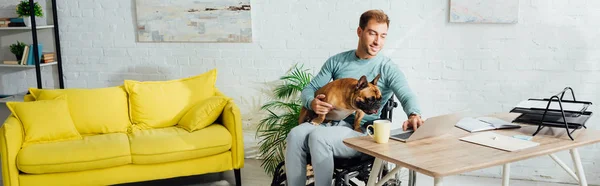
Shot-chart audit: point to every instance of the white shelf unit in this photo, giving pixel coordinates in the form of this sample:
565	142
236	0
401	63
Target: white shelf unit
26	28
27	66
46	34
13	98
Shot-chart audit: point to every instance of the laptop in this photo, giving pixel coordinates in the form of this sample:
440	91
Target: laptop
432	127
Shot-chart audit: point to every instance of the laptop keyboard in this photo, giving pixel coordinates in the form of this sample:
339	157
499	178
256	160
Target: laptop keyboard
404	135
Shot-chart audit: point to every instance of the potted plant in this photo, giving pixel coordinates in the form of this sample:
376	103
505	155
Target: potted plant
282	116
23	10
17	49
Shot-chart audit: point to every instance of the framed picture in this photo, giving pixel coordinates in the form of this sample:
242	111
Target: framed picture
218	21
484	11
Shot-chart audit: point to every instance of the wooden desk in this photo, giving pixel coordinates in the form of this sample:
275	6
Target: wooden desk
446	155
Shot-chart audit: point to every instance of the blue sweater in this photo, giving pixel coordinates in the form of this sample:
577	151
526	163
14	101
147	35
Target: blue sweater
347	64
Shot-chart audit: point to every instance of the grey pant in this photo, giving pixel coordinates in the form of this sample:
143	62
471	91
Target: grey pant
323	144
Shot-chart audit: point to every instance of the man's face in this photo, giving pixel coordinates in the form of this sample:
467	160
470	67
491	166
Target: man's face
372	38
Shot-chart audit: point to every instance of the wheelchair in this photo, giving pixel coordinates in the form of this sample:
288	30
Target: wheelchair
347	170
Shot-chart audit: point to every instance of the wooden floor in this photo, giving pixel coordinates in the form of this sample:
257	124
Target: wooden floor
253	175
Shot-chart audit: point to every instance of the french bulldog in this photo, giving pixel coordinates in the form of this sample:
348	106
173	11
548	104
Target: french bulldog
347	95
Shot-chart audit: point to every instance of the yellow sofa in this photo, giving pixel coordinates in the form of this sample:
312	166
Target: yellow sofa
135	132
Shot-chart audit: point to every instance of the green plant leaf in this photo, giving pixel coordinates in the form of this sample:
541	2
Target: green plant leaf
293	105
23	9
17	48
293	83
282	116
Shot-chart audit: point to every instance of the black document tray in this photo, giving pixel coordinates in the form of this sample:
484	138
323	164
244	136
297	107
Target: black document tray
546	117
552	119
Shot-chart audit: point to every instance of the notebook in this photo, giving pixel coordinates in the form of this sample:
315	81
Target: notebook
502	142
484	123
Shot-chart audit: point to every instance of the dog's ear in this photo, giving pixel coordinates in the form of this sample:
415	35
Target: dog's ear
374	82
362	83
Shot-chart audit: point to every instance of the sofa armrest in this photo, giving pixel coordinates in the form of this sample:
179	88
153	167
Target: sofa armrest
28	98
232	120
11	139
219	93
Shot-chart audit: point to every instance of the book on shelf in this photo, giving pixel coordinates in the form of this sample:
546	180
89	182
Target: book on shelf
48	54
4	22
11	24
8	62
17	20
48	57
28	58
31	58
25	55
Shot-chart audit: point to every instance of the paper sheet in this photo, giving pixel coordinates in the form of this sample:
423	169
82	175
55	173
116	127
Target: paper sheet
502	142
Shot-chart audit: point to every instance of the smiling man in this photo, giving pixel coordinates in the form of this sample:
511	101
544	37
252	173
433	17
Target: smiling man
324	143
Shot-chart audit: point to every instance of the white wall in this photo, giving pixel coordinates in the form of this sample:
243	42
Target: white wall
486	67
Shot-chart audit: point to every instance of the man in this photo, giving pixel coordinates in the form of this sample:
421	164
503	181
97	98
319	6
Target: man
324	143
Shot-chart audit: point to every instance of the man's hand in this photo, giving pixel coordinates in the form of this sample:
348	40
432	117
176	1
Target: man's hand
414	121
319	106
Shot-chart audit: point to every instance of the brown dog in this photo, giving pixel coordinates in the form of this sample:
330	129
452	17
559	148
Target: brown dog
347	95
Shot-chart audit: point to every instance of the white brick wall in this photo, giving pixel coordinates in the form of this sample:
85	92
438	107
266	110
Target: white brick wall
485	67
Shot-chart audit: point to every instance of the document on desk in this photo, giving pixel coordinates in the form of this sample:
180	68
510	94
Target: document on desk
484	123
541	104
502	142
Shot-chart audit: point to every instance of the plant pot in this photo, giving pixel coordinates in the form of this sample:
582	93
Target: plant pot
39	21
19	57
27	21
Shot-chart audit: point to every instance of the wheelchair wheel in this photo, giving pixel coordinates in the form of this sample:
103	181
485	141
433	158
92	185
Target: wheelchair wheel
279	175
404	177
280	179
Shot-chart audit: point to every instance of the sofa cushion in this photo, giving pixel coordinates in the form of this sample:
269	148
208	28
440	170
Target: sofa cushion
94	111
93	152
204	113
45	121
157	104
174	144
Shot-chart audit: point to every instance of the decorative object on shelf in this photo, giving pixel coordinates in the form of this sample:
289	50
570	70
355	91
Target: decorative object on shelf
17	49
219	21
23	10
282	115
488	11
